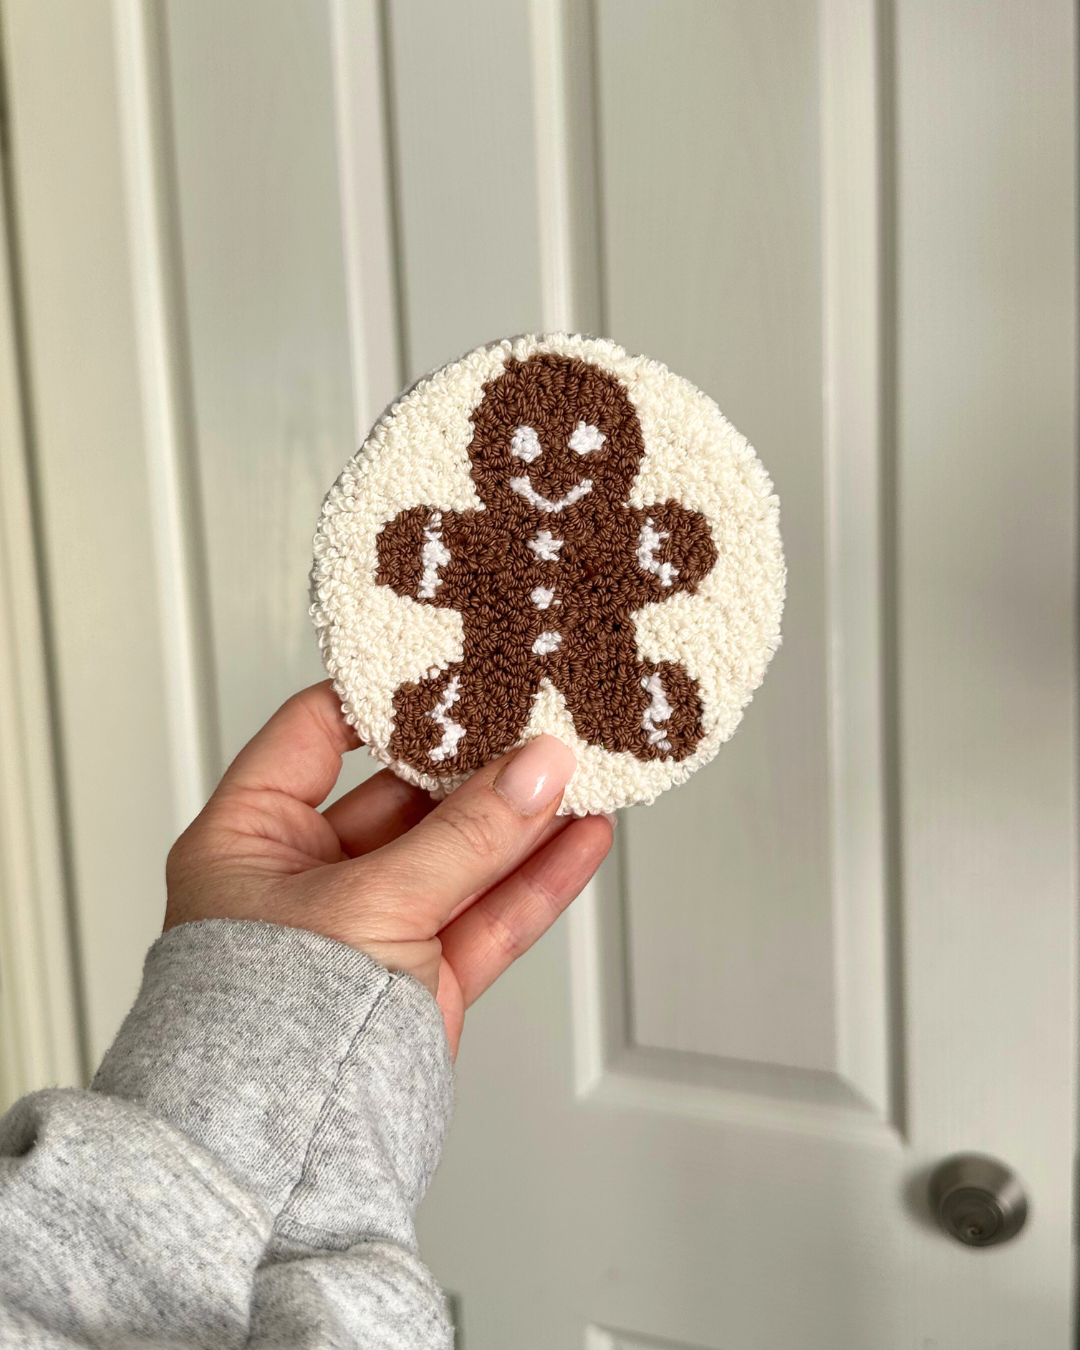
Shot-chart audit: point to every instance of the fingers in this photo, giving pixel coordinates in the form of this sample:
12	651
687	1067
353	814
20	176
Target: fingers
477	835
299	751
554	826
385	807
377	812
489	936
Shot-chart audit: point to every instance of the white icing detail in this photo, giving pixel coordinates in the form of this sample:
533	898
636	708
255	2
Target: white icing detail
433	555
525	489
542	597
452	731
546	546
649	540
586	438
659	710
525	444
547	643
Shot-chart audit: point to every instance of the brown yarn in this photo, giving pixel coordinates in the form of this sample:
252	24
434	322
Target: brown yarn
597	578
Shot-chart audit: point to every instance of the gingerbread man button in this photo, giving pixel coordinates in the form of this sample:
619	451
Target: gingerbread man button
550	536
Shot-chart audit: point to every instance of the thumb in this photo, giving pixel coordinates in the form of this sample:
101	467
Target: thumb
472	839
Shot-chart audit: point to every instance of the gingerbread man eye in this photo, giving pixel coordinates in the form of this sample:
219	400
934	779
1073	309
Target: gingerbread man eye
525	444
586	438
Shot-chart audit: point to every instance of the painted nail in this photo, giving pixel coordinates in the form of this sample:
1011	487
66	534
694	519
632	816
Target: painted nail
536	775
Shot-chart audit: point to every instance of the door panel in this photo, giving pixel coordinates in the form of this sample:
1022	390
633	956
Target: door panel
716	108
461	115
254	136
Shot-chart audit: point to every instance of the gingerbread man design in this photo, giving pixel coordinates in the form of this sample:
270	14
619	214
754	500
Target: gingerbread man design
547	577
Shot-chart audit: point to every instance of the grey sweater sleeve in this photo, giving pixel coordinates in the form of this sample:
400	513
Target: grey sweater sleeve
245	1169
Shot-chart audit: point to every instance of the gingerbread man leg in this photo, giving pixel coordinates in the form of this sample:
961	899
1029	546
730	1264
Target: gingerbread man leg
455	721
651	709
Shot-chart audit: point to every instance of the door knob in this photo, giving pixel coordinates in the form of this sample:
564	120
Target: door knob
977	1200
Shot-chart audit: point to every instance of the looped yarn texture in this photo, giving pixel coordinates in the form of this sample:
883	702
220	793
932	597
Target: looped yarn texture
550	536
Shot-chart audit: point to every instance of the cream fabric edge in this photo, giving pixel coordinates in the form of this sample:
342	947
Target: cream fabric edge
372	640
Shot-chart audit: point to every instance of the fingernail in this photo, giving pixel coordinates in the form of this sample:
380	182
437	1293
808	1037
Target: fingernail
611	818
536	775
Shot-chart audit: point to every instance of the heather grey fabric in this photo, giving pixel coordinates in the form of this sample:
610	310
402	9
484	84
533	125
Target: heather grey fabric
245	1169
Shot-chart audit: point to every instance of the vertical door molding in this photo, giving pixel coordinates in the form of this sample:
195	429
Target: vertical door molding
562	39
83	334
851	144
164	387
40	1034
366	186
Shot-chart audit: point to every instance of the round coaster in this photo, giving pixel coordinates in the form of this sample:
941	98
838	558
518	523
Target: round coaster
550	535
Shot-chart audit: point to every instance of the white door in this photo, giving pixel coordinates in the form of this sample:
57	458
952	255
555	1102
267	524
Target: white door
702	1113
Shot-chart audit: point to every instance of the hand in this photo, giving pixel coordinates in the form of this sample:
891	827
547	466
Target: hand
451	894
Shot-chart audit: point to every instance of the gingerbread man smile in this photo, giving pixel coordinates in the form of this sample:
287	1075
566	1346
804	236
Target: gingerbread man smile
547	591
525	444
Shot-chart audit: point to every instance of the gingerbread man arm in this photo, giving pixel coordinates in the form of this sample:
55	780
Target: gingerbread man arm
415	552
674	550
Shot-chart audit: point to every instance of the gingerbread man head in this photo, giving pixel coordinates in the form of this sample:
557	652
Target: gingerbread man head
552	434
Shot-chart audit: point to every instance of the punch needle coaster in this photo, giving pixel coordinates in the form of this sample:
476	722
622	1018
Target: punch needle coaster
550	535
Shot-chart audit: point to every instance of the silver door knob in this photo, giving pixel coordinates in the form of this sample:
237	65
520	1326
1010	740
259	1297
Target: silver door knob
977	1200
